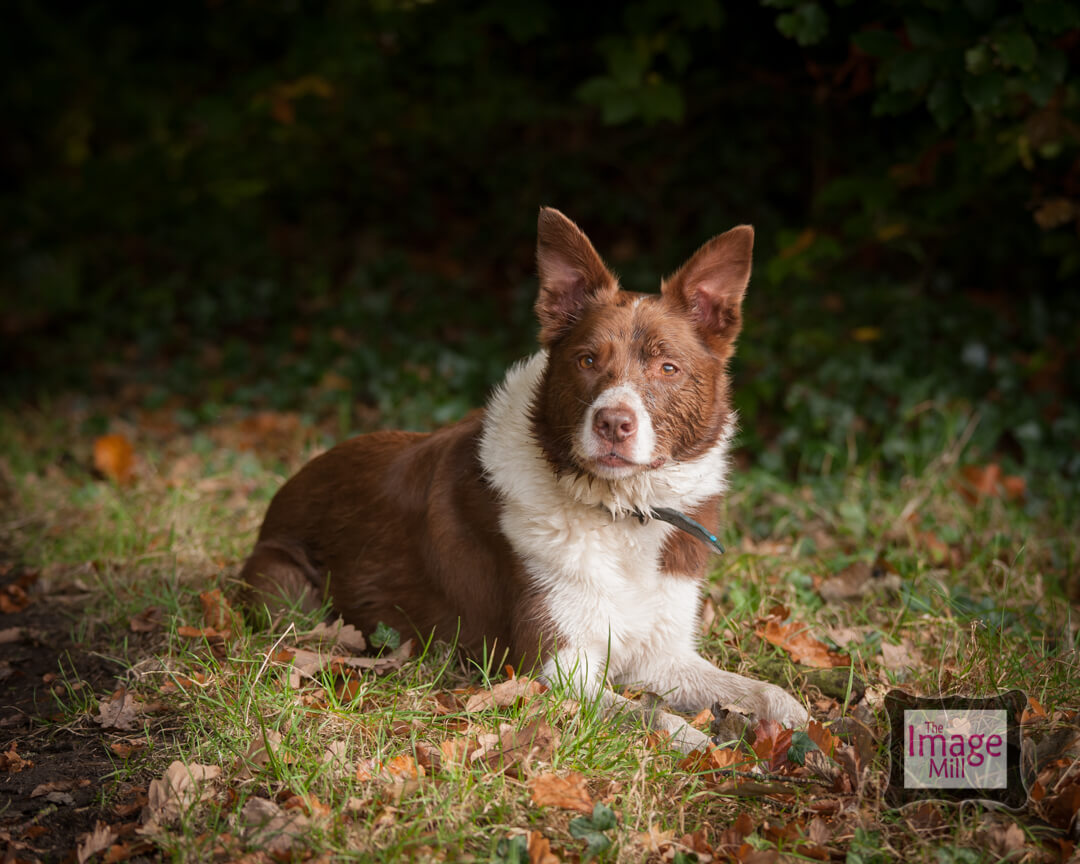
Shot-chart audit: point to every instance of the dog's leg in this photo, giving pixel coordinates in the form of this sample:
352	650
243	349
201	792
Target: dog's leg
690	682
278	577
585	677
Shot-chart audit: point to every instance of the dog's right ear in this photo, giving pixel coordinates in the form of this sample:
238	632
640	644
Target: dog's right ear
571	274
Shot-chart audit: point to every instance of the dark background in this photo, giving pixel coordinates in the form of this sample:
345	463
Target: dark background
330	207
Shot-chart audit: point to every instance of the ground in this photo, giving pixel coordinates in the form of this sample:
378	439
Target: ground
142	719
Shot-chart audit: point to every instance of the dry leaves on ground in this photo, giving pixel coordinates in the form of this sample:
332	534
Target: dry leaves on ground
121	711
569	792
505	694
794	637
114	457
181	787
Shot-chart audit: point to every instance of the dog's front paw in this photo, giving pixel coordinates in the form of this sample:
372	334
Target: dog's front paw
775	703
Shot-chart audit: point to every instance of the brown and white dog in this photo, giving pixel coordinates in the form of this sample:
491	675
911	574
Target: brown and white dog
519	528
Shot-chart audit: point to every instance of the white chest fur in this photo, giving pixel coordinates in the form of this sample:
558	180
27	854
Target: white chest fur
598	568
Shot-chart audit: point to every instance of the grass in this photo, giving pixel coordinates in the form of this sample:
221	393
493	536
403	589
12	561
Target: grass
981	596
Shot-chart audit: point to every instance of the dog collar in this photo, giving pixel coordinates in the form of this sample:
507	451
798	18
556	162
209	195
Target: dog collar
683	523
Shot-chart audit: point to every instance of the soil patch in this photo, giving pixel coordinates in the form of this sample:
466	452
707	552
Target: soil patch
58	776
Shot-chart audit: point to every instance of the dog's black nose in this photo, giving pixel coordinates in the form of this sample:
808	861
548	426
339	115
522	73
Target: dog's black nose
615	424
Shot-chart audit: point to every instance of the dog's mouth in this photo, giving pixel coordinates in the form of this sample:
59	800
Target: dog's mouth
614	460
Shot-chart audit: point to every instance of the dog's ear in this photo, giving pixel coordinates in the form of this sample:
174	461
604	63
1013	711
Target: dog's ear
571	274
711	286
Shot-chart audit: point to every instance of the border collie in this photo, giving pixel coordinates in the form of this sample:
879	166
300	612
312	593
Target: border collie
567	526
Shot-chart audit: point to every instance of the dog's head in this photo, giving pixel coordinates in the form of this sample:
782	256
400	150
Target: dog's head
634	381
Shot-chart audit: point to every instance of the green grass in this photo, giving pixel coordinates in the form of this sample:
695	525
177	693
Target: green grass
986	601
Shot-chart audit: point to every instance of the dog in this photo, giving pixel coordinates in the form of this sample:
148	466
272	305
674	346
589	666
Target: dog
565	527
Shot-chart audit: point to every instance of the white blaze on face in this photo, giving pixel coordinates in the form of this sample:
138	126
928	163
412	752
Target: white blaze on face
639	450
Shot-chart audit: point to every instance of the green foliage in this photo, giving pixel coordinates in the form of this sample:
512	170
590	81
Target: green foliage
866	848
385	637
591	829
330	207
801	744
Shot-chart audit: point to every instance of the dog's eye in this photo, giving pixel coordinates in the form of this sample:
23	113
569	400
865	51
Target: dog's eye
668	369
586	361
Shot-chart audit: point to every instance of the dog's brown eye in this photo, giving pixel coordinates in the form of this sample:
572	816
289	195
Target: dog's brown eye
586	362
668	369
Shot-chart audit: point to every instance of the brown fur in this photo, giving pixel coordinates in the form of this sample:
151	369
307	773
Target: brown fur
401	528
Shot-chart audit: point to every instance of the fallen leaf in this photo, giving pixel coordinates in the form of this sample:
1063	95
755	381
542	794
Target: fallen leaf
1006	840
978	482
258	754
818	831
771	743
714	759
821	736
899	657
513	747
795	638
120	711
146	621
217	613
336	755
569	792
13	598
858	580
456	751
940	551
98	840
505	694
179	788
540	849
58	786
269	827
114	457
12	761
337	635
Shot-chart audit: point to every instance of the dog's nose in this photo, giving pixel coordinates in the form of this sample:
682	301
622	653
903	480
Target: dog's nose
615	424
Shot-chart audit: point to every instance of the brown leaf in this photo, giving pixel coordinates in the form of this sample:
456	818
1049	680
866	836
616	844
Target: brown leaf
12	761
899	657
146	621
258	754
732	837
771	743
217	613
795	638
189	632
98	840
979	482
114	457
505	694
569	792
540	849
13	598
456	751
513	747
121	711
940	551
272	828
335	637
179	788
821	736
58	786
858	580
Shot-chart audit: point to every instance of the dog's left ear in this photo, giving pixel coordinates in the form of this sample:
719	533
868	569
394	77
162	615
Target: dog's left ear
712	283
